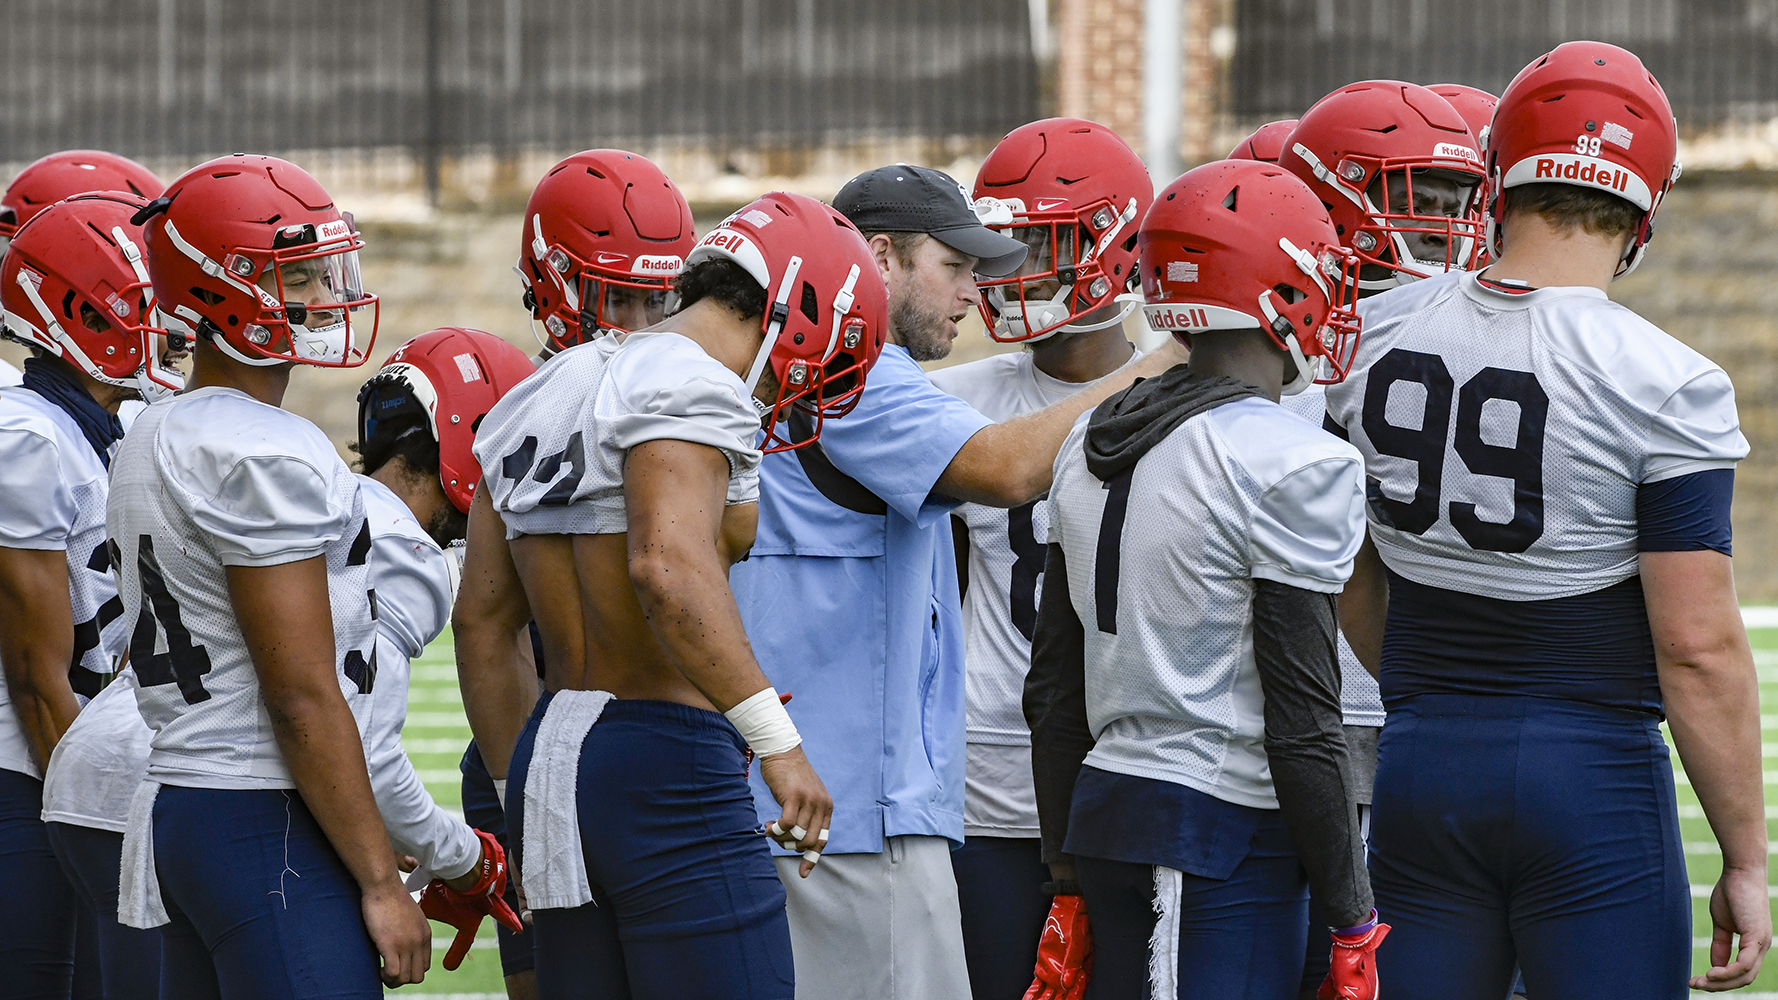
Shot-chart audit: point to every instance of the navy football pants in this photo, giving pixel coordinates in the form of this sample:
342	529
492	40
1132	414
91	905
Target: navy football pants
128	959
482	810
1000	892
686	900
261	907
1239	939
1527	829
37	934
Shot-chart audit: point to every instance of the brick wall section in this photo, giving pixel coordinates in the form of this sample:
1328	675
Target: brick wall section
1099	64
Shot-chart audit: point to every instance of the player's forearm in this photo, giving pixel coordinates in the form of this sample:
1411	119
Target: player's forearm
44	712
1006	464
684	592
319	741
37	644
498	687
1055	707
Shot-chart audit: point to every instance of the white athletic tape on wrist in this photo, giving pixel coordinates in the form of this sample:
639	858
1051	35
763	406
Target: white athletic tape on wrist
764	724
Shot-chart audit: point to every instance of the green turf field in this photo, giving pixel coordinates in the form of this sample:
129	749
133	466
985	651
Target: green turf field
436	734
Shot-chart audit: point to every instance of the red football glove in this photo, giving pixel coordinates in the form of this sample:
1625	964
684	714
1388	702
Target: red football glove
464	910
1353	972
1064	953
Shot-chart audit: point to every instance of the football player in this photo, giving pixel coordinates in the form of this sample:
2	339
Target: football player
1476	106
1266	143
1392	132
605	232
72	172
621	483
74	290
1549	487
999	868
242	549
1184	690
860	517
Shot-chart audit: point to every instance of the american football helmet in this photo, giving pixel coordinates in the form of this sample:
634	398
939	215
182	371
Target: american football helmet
1398	170
605	232
73	284
1073	192
1266	143
1241	245
71	172
451	377
826	305
250	253
1587	114
1475	106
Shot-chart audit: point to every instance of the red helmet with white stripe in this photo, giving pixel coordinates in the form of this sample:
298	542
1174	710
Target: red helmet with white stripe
1587	114
1243	245
1266	143
249	253
454	376
826	305
605	232
1073	192
73	284
71	172
1398	170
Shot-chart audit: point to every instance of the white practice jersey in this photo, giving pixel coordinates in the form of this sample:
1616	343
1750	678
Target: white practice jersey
1505	435
416	584
215	478
1161	564
100	761
53	489
1006	553
552	450
10	375
1361	704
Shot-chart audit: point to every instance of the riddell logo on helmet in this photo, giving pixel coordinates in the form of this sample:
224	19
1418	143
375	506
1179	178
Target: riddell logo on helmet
1453	150
1169	318
657	264
335	230
1588	172
725	239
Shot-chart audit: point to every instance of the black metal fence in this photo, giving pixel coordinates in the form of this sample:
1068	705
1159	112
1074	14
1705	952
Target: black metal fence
183	78
1717	59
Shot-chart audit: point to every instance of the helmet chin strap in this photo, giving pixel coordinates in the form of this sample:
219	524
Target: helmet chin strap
779	312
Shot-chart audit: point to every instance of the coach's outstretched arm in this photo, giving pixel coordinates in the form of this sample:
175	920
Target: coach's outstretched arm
675	494
494	667
288	629
1006	464
37	644
1711	694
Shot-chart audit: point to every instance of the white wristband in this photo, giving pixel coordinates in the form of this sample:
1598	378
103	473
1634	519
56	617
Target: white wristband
500	790
764	724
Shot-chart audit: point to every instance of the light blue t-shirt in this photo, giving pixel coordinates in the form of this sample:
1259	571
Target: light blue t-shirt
851	606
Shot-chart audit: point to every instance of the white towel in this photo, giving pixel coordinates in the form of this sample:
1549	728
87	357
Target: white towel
138	884
1163	946
553	865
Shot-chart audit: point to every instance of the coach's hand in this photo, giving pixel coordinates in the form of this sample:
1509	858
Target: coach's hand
1739	905
400	933
808	809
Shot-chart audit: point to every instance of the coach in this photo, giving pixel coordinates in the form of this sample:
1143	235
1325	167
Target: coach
850	600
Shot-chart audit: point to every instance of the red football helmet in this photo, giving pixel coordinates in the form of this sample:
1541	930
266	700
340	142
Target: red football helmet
70	172
605	232
1239	245
1266	143
453	375
1073	192
73	284
1398	170
1586	114
250	253
1475	106
826	305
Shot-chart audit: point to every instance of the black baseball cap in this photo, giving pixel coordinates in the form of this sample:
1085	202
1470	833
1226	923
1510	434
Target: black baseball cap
904	199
